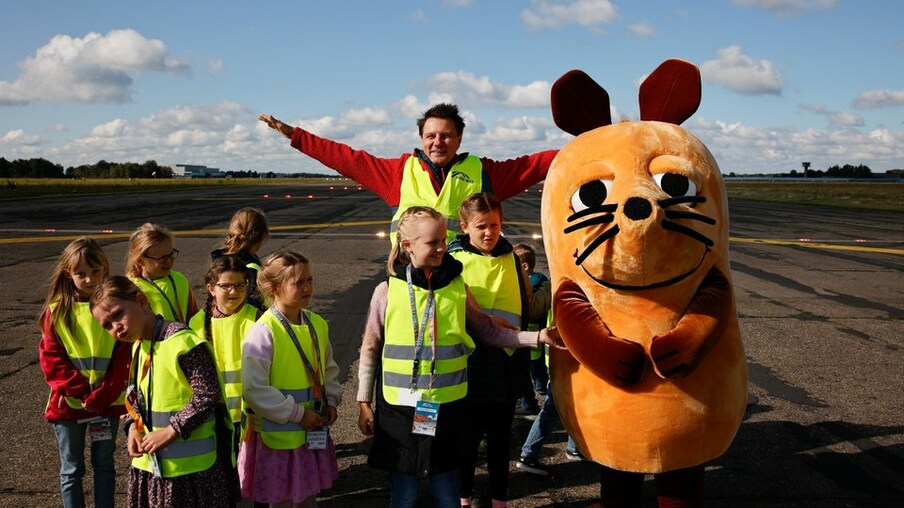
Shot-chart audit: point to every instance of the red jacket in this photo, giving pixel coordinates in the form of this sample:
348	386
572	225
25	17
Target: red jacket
66	381
384	176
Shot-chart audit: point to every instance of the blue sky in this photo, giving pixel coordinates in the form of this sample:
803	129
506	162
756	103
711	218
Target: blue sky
784	81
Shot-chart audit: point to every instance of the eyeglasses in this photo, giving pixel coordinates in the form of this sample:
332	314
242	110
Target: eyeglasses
228	288
171	256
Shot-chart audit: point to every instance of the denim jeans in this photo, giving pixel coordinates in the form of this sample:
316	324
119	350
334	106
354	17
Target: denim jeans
444	486
71	439
546	422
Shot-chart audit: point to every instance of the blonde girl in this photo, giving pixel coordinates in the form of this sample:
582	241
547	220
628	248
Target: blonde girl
87	371
180	437
224	322
291	389
149	265
418	338
246	234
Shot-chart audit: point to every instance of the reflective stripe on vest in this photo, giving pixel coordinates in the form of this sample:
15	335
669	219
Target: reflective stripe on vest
289	376
494	283
228	334
453	345
464	178
170	393
176	296
88	346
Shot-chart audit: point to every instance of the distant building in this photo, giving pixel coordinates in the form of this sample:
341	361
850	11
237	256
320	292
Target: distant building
195	171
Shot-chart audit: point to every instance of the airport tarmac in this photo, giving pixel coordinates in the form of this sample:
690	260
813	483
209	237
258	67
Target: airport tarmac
820	294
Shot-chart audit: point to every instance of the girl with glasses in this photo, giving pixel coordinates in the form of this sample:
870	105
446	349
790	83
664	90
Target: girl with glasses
150	266
224	322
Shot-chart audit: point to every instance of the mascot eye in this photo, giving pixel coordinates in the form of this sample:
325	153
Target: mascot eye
675	185
591	194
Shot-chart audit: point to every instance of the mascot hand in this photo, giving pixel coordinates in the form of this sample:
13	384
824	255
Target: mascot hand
677	352
589	340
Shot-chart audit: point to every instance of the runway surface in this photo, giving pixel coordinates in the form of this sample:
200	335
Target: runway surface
820	295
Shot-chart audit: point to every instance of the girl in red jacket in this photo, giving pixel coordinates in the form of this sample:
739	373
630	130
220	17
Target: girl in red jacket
87	371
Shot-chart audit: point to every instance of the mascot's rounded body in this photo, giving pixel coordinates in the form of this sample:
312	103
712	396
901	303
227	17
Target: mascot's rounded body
636	234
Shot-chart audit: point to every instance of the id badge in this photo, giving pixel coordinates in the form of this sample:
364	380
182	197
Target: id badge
100	429
317	439
409	398
426	415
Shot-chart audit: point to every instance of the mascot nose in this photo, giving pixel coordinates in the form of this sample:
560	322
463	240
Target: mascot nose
637	208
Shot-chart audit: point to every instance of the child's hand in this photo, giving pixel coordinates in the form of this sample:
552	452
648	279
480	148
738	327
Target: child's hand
133	442
311	420
331	415
550	335
158	439
365	418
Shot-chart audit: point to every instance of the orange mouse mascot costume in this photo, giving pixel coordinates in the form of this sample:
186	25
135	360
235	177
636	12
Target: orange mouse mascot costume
636	235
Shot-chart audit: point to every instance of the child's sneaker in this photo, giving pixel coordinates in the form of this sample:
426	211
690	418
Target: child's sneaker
532	466
573	456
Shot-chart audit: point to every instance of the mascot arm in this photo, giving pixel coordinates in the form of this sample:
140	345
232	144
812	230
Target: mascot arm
677	352
589	340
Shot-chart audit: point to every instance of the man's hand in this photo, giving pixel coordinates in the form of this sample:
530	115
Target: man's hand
275	124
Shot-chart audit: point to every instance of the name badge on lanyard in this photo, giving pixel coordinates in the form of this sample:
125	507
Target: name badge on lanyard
426	413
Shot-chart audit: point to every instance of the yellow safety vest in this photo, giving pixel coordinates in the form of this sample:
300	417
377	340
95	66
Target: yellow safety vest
167	296
493	280
228	334
452	344
289	375
169	395
89	347
464	178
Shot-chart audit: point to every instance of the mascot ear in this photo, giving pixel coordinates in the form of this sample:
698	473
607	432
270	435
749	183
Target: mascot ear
671	93
579	104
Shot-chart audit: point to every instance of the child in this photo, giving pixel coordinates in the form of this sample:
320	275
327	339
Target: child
247	232
423	369
224	322
181	444
548	418
291	387
87	371
150	266
496	377
539	302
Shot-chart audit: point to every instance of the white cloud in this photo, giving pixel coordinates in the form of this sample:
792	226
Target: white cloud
465	87
20	137
411	107
744	149
365	116
786	7
457	3
418	15
58	127
214	65
837	119
111	129
741	73
96	68
557	13
642	29
879	99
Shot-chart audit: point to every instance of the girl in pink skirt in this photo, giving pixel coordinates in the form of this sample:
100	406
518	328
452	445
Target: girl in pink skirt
290	384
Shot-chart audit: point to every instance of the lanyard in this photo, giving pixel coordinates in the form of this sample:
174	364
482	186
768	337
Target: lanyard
420	332
313	370
145	371
176	314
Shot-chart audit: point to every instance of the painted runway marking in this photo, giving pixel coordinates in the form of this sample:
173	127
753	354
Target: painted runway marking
857	245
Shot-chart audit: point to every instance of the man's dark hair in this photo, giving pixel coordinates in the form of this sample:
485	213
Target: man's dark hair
442	110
